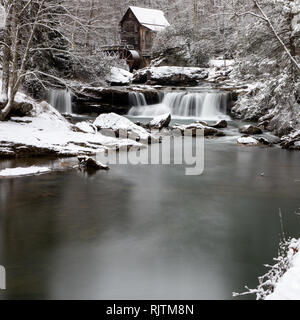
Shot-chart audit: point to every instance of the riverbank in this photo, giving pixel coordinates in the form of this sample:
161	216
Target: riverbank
287	286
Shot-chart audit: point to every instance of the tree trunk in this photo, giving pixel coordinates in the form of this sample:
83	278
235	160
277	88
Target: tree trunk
75	29
6	57
91	15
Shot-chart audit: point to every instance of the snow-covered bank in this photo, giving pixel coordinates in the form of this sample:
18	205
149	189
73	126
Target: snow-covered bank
47	132
21	171
282	281
288	286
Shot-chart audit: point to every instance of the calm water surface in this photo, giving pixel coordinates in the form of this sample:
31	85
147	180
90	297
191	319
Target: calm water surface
148	232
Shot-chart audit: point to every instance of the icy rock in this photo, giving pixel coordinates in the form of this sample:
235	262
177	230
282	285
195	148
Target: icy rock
250	129
161	121
87	162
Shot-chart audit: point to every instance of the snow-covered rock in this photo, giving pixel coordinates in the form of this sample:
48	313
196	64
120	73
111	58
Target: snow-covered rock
193	127
20	171
291	141
89	163
120	125
161	121
119	76
85	126
170	75
250	141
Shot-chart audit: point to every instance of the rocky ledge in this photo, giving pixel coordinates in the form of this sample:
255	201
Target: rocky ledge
100	100
170	76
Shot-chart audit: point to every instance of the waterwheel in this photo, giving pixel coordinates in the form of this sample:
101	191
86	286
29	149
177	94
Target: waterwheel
132	58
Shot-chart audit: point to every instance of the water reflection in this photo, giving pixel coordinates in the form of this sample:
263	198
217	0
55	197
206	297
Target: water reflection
148	231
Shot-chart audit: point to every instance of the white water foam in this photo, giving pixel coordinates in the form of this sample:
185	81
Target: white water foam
61	100
202	105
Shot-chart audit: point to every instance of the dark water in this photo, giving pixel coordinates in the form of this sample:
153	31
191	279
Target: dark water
144	232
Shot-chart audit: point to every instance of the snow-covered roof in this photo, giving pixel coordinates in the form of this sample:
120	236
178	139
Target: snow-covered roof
153	27
151	18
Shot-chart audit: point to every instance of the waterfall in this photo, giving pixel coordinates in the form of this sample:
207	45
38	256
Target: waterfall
137	99
204	105
61	100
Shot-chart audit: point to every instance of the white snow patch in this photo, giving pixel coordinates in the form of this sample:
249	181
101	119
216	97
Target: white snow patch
20	171
288	287
247	140
119	76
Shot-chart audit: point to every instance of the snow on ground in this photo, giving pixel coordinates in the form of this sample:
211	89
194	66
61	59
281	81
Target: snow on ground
119	76
13	172
288	287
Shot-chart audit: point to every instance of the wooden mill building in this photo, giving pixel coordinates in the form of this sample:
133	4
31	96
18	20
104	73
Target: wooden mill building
138	26
137	29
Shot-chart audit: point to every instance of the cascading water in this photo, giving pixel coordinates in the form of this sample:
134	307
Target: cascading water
204	105
137	99
61	100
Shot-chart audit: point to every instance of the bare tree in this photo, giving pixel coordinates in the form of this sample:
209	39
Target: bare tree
259	13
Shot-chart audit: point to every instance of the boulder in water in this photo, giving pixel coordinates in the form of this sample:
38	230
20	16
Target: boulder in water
250	129
160	122
291	141
222	124
120	125
193	127
89	163
264	141
247	140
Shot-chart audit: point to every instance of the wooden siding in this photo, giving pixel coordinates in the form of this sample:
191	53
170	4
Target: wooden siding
135	34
